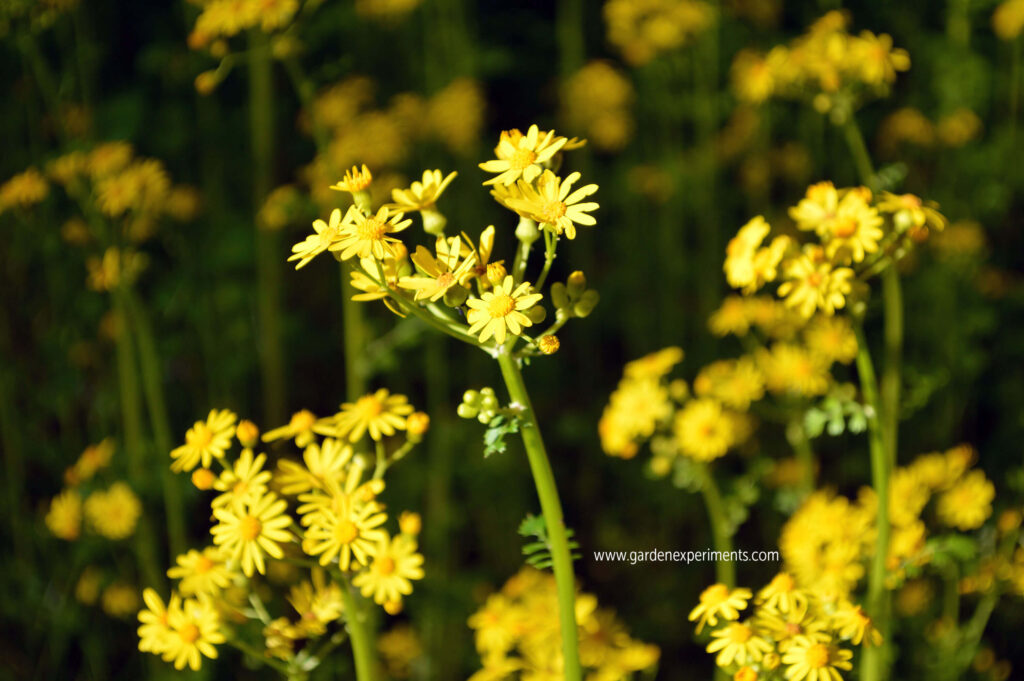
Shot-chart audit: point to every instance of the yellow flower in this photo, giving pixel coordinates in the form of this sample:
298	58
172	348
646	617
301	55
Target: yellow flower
737	643
347	531
782	594
910	213
703	430
322	464
876	58
91	460
201	572
300	427
65	515
194	630
812	284
318	602
718	600
440	273
522	156
739	253
395	563
501	309
551	204
790	368
422	195
633	413
379	413
785	628
325	235
205	440
248	530
365	236
23	190
655	365
968	503
115	512
1008	19
154	622
734	383
831	339
355	180
815	661
854	625
244	482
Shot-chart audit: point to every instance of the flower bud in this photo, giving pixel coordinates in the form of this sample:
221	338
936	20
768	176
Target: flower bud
586	304
576	284
203	478
206	82
393	607
416	424
526	231
537	314
248	434
467	411
496	273
433	222
455	296
548	344
410	523
559	296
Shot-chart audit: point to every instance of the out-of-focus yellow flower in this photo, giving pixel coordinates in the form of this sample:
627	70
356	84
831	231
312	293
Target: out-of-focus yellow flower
455	114
115	512
703	430
734	383
94	458
643	29
120	600
205	440
716	601
597	101
789	368
23	190
969	503
959	127
65	515
812	283
115	268
831	339
1008	19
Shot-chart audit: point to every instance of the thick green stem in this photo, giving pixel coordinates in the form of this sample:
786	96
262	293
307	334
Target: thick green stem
859	151
359	634
721	534
892	296
355	338
797	436
268	258
551	507
152	383
875	662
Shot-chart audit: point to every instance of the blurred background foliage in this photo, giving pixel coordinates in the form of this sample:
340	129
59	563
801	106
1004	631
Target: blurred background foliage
681	162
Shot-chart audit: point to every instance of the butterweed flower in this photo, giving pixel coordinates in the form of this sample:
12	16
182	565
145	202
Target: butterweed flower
251	529
522	156
501	310
205	440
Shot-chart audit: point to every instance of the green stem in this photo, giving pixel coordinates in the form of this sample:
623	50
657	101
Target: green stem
859	151
725	569
797	436
875	664
892	295
152	383
131	416
551	507
354	330
268	265
359	634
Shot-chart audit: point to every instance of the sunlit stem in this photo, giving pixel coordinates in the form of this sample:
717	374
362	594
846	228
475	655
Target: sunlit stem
359	633
721	532
551	507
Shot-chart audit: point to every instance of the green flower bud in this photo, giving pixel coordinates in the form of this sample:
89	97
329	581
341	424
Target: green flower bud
537	314
466	411
576	284
526	231
559	296
455	296
471	397
433	222
586	304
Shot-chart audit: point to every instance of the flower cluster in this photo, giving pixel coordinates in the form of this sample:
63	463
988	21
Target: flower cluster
833	69
458	278
858	233
597	100
320	515
518	638
112	513
643	29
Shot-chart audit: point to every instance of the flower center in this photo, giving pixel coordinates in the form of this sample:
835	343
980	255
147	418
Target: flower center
522	159
240	488
189	633
201	436
817	656
845	227
203	565
715	595
739	633
553	211
372	229
346	532
446	280
369	406
501	305
302	420
814	279
385	565
250	528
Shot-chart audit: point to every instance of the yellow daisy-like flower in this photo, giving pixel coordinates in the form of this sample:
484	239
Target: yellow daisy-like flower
395	563
379	413
737	643
440	273
114	513
201	572
968	503
909	212
154	622
785	628
367	236
501	309
814	284
65	515
522	156
740	251
703	430
23	190
300	427
718	600
791	368
421	195
247	531
815	661
854	625
318	602
655	365
325	235
194	631
782	594
551	204
355	180
205	440
734	383
245	482
321	465
819	207
346	532
831	339
855	229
